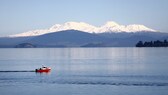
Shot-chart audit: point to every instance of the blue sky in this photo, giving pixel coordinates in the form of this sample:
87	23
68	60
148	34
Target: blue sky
18	16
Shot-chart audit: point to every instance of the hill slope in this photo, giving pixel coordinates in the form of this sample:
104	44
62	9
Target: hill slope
68	38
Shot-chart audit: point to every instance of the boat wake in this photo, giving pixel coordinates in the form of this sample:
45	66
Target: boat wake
18	71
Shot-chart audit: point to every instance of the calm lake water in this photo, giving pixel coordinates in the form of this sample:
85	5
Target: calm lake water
84	71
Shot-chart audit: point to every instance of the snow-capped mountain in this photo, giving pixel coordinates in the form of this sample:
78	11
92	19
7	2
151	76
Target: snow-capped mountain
81	26
114	27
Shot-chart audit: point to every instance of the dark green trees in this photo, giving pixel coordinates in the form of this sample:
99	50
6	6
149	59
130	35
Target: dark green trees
157	43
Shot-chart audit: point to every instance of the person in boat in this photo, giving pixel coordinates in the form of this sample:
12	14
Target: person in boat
44	66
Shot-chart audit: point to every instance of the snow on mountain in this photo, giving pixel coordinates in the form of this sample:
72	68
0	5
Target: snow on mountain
74	25
114	27
81	26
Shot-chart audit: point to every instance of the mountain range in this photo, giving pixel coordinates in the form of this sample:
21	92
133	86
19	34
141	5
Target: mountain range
80	34
109	27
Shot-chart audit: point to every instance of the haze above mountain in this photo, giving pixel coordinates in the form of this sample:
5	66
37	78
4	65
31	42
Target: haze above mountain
109	27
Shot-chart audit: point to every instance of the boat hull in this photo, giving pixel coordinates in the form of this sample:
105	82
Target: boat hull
41	71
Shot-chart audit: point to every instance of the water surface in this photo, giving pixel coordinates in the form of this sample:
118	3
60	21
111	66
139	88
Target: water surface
84	71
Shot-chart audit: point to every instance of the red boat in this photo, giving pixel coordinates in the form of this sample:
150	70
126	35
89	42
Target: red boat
43	69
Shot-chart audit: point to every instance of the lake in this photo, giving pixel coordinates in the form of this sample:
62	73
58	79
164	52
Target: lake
84	71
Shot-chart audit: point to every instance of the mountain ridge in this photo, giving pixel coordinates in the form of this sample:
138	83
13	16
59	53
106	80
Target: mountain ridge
108	27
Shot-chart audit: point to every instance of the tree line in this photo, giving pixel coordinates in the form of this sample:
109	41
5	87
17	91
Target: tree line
156	43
